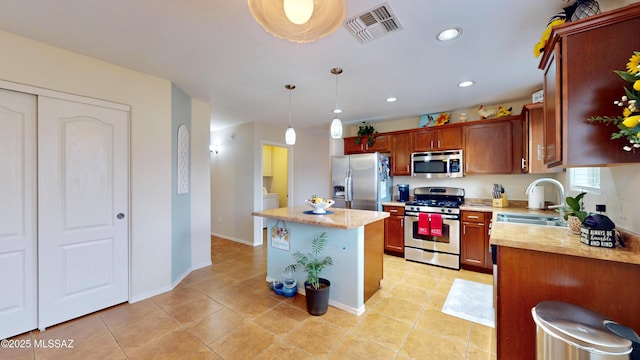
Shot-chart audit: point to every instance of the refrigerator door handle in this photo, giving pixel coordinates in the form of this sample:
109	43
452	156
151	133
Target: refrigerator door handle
348	190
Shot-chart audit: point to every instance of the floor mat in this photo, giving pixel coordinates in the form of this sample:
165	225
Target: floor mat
472	301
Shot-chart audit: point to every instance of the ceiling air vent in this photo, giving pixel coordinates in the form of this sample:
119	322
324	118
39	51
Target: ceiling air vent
373	23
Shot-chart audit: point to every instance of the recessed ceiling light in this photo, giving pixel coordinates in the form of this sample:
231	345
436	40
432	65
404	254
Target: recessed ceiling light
449	34
337	111
466	84
391	99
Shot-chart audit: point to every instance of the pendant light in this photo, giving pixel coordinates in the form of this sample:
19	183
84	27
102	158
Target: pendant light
336	124
290	134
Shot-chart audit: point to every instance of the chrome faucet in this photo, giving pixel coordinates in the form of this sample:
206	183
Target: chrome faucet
555	182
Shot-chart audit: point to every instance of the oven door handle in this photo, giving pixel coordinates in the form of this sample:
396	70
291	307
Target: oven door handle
444	216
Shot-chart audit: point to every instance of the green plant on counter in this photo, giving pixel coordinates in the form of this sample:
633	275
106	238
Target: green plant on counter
310	262
366	130
575	208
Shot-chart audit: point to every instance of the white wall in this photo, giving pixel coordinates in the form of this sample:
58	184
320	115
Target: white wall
200	185
37	64
232	179
618	191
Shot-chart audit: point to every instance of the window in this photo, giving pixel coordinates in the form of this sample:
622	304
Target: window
587	179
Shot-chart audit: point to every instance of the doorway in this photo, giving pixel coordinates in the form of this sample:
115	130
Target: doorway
275	177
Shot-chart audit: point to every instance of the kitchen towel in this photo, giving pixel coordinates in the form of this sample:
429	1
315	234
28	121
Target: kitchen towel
423	224
436	224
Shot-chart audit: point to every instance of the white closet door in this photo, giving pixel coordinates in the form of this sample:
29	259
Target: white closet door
17	213
83	209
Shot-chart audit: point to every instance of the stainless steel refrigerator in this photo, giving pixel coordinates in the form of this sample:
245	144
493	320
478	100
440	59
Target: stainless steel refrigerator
361	181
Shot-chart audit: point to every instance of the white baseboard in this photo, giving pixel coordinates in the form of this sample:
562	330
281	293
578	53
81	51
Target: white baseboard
149	294
242	241
165	289
201	265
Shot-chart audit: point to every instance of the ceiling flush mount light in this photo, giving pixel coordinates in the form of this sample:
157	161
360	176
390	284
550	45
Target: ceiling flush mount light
449	34
391	99
466	84
290	134
336	124
298	21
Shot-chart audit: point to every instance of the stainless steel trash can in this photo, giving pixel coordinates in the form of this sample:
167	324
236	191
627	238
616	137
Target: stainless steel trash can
569	332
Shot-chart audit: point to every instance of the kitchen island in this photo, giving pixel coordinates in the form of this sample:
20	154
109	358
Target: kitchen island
355	242
538	263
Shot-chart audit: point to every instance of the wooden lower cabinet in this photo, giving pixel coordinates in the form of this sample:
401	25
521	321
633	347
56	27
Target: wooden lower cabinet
373	257
527	277
474	241
394	230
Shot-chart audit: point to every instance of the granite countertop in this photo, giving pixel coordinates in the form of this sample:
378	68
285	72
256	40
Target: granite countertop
478	207
393	203
340	218
557	240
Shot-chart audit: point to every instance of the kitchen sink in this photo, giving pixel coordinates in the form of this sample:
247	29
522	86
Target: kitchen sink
532	219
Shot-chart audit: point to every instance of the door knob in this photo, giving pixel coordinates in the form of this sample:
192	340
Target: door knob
120	216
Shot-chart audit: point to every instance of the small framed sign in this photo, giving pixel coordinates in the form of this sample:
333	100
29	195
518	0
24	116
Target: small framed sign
280	236
537	96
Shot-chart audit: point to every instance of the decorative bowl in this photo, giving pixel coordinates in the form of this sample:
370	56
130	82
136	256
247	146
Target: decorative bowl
320	207
289	292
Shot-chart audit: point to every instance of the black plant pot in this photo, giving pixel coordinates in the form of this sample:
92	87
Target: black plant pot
317	300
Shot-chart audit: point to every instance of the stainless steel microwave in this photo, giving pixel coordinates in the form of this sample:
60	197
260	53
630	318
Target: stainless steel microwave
437	164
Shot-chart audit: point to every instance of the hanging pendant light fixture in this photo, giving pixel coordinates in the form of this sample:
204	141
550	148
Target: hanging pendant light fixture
290	134
298	21
336	124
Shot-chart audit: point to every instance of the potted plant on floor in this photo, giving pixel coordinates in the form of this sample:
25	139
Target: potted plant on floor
574	214
316	288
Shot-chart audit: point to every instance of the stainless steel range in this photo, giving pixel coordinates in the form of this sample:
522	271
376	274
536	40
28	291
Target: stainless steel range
440	250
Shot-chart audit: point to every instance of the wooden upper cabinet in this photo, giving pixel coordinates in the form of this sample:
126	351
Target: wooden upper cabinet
579	82
494	147
450	138
533	115
401	154
381	144
551	122
429	139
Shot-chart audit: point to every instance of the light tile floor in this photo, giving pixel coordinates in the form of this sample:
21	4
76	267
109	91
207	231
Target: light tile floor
226	311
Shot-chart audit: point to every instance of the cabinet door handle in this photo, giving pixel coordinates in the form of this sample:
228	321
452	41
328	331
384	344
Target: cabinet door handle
464	229
402	222
472	216
431	144
438	143
523	163
540	151
393	211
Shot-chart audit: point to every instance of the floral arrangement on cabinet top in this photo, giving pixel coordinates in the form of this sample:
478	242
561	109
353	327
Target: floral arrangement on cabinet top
628	122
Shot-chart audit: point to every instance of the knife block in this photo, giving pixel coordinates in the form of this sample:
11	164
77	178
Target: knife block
501	202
